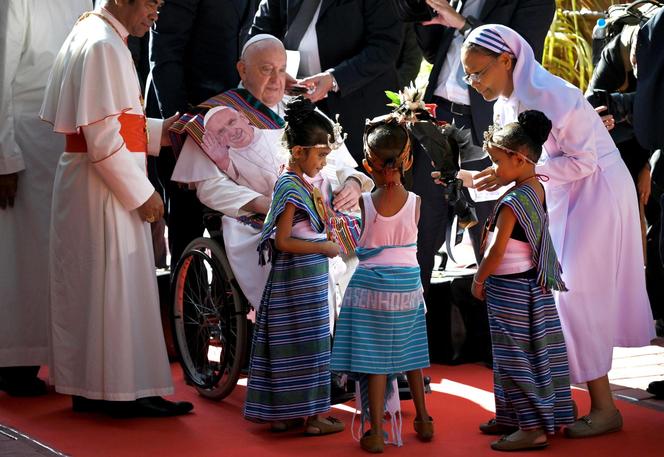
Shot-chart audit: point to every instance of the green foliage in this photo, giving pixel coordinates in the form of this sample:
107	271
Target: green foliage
394	98
567	49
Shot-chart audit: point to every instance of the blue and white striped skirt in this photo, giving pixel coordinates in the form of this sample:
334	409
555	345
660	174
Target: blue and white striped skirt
531	374
381	327
289	371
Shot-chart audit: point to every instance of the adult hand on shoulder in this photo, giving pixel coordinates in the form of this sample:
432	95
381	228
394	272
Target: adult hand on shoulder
486	180
445	15
152	210
8	188
347	196
321	85
330	249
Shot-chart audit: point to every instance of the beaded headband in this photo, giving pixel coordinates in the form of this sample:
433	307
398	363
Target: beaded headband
334	141
488	136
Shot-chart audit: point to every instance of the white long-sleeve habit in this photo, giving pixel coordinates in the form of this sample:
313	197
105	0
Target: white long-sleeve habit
31	33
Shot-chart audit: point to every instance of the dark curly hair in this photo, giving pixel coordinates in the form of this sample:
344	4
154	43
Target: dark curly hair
304	125
385	141
531	130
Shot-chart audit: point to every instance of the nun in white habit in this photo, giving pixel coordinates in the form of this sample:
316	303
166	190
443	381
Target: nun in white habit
593	210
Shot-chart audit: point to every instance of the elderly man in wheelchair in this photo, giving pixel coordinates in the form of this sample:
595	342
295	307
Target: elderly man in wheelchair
230	152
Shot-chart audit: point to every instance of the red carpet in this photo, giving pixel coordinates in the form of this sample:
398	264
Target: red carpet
217	429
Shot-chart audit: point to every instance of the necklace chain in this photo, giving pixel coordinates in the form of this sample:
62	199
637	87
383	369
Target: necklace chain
526	180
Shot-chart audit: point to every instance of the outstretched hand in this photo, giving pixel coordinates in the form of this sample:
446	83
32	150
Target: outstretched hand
321	84
486	180
465	176
445	15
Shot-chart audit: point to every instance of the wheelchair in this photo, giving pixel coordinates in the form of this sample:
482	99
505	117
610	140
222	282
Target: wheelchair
209	315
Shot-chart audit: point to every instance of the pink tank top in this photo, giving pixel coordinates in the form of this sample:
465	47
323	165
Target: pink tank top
397	230
518	257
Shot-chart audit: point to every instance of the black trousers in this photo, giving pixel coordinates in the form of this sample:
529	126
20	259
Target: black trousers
433	211
183	212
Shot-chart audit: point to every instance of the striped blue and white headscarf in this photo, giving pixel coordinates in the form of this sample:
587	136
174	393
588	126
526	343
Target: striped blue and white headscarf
534	87
489	39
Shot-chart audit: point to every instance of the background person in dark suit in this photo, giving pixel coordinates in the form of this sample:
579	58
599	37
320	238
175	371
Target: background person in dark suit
348	52
193	51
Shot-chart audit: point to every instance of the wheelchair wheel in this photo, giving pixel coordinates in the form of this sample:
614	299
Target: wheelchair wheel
209	319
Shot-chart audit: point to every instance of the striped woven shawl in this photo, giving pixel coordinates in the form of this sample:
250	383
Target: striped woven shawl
532	216
290	188
259	115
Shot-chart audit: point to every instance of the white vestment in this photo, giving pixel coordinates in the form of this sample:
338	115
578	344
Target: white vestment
31	33
218	191
107	339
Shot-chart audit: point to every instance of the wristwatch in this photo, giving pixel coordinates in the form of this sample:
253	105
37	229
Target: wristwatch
468	26
335	86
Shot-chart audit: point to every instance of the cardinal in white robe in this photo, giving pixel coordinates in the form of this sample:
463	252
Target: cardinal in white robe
108	347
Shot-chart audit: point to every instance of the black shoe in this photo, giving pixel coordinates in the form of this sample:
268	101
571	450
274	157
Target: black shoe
404	389
30	387
147	407
340	395
657	389
86	405
341	392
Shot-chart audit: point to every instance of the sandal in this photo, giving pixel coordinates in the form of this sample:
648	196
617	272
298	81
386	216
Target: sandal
327	426
372	443
424	429
523	444
285	425
492	427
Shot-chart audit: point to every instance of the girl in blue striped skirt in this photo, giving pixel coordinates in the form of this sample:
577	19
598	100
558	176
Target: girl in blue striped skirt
381	329
516	276
289	369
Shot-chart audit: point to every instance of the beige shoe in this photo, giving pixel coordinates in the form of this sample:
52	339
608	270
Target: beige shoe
373	444
586	427
424	429
327	426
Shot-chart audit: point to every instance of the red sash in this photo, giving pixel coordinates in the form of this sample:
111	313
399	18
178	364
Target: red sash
132	129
